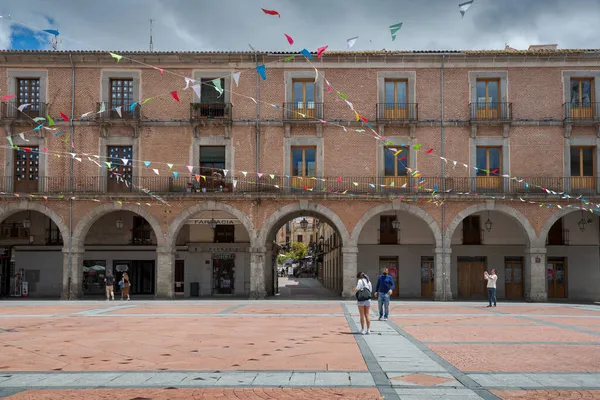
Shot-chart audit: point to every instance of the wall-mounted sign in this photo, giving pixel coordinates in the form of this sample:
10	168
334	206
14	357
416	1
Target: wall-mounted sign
223	256
207	221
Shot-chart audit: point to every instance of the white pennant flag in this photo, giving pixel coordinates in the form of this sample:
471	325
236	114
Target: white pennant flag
463	7
156	171
350	105
77	158
125	161
234	182
85	115
22	107
197	90
236	78
118	110
351	42
225	171
22	135
188	81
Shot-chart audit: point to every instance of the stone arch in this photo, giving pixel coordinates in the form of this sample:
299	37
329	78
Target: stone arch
307	208
398	206
15	207
84	225
493	206
183	216
541	239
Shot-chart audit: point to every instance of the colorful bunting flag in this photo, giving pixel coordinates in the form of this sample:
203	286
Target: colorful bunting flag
175	96
394	30
8	97
39	119
289	39
236	78
132	107
155	171
10	141
64	117
102	108
463	7
350	42
118	110
147	100
170	166
290	58
22	135
23	106
175	174
321	50
306	54
125	161
37	128
188	81
217	84
147	163
271	12
116	56
262	72
190	168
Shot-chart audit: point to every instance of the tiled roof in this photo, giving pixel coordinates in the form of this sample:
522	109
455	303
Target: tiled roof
333	52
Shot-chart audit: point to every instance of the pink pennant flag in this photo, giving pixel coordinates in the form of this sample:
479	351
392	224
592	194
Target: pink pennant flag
339	179
271	12
289	39
260	174
429	151
8	97
175	96
190	168
162	71
155	171
322	121
321	50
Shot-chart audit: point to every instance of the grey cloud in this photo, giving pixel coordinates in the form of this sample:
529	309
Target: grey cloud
232	24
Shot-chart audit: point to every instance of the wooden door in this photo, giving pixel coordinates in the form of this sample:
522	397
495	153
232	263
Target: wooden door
391	264
513	278
26	172
303	93
470	279
557	278
179	277
427	277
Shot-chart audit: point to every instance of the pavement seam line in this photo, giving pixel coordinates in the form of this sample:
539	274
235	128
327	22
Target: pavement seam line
558	325
461	377
231	309
382	382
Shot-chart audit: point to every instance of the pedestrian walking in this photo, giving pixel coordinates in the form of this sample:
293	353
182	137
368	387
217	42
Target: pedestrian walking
363	290
383	292
109	281
125	285
491	286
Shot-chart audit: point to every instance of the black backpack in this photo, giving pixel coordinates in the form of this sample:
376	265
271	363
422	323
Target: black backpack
363	294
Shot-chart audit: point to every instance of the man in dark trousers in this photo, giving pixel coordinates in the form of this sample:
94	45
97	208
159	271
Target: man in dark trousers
109	280
383	291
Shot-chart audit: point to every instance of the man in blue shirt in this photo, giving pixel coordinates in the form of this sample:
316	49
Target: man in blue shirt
383	291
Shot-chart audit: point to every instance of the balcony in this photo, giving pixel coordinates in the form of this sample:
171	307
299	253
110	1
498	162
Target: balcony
491	112
581	112
218	112
111	113
9	110
397	112
207	183
300	111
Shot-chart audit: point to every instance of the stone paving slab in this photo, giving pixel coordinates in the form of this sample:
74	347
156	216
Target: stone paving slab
437	394
538	380
547	394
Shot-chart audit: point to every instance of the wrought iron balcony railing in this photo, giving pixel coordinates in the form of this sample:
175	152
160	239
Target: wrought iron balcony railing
491	111
582	111
218	111
302	111
402	112
10	110
117	112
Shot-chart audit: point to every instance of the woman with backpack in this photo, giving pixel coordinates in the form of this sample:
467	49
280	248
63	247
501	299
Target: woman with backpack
363	290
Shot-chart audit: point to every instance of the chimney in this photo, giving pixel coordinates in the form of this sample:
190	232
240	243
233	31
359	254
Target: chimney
508	48
536	47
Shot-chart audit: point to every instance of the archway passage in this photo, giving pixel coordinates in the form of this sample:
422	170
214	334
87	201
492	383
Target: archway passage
572	240
320	273
122	242
31	253
402	239
490	237
212	252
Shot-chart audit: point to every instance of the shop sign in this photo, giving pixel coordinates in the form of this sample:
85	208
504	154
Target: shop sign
206	221
223	256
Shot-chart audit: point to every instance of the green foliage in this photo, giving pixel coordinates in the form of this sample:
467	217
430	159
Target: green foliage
281	258
298	251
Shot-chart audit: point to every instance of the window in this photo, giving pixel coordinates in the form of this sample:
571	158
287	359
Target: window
224	234
53	235
120	174
556	235
121	93
582	92
488	93
29	93
472	230
300	239
212	160
303	95
14	231
396	95
210	95
304	161
26	172
582	161
396	163
140	234
387	233
489	161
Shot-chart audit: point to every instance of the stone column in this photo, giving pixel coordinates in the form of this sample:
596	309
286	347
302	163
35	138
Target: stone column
258	260
442	274
72	288
350	269
165	273
535	274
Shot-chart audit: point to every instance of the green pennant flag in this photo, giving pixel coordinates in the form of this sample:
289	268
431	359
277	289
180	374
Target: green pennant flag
147	100
417	146
50	120
290	58
116	56
394	30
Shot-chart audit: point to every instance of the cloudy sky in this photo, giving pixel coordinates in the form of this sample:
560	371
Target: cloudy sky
233	24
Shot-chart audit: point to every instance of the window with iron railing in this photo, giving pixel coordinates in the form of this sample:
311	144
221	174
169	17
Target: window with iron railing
53	234
141	232
29	93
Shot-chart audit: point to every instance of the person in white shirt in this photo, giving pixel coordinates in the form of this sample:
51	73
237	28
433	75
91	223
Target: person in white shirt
363	290
491	286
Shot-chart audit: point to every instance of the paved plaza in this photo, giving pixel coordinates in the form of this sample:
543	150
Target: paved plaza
296	349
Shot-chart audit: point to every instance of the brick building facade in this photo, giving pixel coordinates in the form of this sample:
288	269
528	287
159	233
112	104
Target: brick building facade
527	114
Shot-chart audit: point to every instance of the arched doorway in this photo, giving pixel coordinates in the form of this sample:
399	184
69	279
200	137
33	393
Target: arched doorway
211	242
32	237
403	239
572	239
490	236
321	272
119	238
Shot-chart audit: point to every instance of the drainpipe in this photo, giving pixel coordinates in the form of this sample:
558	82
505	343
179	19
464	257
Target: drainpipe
70	266
257	126
443	185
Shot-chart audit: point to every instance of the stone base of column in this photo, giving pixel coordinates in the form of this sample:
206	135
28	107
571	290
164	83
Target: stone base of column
441	296
165	275
258	259
443	262
536	297
258	295
349	271
72	282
